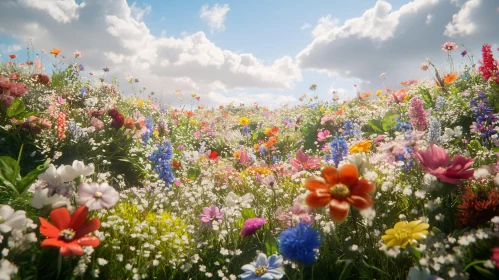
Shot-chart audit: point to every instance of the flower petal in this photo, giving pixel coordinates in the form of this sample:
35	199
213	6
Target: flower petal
75	248
88	227
331	175
363	186
48	229
421	227
93	241
318	199
360	201
338	210
52	242
313	185
78	218
349	174
60	218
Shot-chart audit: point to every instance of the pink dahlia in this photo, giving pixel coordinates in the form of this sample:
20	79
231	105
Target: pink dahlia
436	161
252	225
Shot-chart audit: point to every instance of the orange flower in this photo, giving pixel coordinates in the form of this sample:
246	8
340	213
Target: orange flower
256	147
274	130
221	107
366	95
176	164
449	78
55	51
271	142
340	190
237	155
12	56
361	147
129	123
188	114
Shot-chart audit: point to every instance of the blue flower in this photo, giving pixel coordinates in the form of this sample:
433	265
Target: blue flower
263	268
339	149
299	243
162	165
149	122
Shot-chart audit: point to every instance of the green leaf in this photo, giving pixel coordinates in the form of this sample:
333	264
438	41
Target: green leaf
16	108
414	252
31	177
248	213
255	135
475	145
426	96
389	121
9	172
193	173
345	273
484	272
270	242
436	230
376	125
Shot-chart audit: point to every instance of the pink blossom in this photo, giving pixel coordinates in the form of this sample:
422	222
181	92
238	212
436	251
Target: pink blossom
211	213
175	121
495	256
436	161
97	124
449	46
197	134
296	213
180	147
17	89
304	161
252	225
322	135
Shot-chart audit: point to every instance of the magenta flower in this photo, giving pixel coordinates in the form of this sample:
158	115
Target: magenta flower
321	136
252	225
436	161
211	213
304	161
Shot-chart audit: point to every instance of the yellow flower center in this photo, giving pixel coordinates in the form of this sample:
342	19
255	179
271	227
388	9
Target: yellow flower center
261	270
98	194
403	234
67	234
340	191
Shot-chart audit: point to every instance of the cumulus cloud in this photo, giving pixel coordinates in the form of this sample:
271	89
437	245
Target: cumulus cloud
139	13
61	11
108	33
397	41
215	16
9	48
324	25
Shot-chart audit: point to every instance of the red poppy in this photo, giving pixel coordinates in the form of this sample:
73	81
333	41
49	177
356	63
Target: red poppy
214	155
29	63
176	164
12	56
68	232
340	190
118	121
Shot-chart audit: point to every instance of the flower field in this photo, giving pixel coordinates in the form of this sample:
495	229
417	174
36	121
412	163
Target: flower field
400	183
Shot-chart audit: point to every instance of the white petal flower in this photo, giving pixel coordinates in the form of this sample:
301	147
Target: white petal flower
97	196
7	269
77	169
41	199
11	220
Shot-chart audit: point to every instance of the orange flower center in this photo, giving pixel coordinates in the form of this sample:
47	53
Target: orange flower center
67	234
340	191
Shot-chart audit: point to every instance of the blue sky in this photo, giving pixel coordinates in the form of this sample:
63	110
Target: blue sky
250	51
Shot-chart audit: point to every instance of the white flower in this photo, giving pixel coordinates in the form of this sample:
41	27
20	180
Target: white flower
101	261
11	220
359	160
97	196
53	176
77	169
41	199
235	201
7	269
482	172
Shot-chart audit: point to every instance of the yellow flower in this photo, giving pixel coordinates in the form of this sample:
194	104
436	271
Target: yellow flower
155	133
383	97
237	155
244	121
361	147
192	121
403	233
194	95
267	131
140	103
379	92
322	109
407	97
343	107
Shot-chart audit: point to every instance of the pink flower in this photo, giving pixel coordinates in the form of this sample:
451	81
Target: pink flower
495	256
252	225
97	124
321	136
180	147
449	46
97	196
436	161
296	213
303	161
211	213
197	134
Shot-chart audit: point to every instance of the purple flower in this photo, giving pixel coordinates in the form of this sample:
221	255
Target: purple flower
211	213
464	53
252	225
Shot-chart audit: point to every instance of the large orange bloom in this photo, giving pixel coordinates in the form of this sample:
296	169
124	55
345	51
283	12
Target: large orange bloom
449	78
340	190
55	51
68	232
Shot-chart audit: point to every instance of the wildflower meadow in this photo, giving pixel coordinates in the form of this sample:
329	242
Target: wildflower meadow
398	183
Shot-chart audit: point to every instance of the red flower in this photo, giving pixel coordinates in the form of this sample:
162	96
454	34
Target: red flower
176	164
340	190
68	232
113	113
118	121
489	68
495	256
213	155
12	56
477	208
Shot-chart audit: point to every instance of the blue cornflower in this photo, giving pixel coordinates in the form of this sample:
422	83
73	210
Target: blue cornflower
149	122
348	128
263	150
339	149
402	126
263	268
162	162
83	92
299	243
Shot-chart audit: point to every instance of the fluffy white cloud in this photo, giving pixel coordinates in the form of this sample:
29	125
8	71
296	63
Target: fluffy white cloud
108	33
8	49
61	11
139	13
324	25
306	25
215	16
397	41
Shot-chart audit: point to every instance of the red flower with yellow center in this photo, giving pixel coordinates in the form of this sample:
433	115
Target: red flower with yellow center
340	189
68	232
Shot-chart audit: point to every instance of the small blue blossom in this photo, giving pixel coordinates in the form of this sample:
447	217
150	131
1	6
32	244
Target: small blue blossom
299	243
339	149
149	122
263	268
161	160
